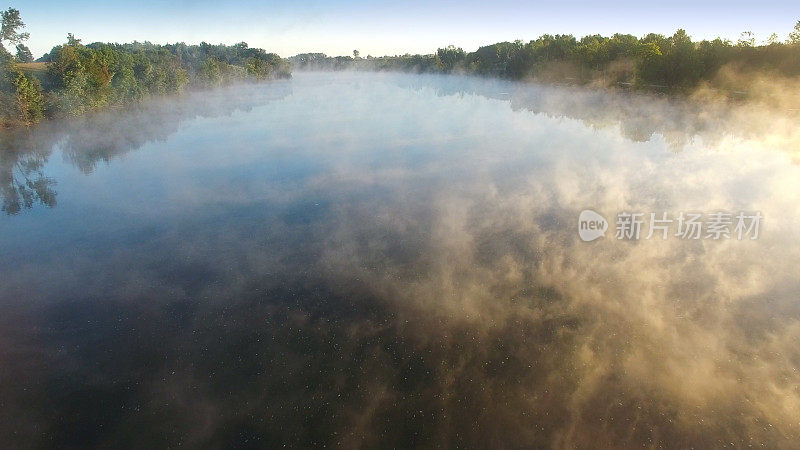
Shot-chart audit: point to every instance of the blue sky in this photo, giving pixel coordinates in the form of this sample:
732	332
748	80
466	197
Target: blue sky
337	27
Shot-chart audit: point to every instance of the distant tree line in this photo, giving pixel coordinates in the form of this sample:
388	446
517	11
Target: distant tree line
654	62
74	78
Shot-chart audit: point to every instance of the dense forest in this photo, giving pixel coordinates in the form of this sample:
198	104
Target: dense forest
654	62
74	78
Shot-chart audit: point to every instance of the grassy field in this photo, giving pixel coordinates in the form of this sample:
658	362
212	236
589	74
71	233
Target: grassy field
36	70
32	67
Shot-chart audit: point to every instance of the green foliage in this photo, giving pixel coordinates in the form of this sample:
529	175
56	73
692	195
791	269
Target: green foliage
654	62
30	102
672	62
449	58
746	39
10	24
24	54
21	98
211	72
81	78
794	36
5	57
87	77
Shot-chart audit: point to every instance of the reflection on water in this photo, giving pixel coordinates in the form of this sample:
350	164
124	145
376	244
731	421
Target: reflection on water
89	140
22	182
364	259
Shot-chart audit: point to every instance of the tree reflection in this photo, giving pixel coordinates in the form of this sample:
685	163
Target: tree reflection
23	182
639	117
88	140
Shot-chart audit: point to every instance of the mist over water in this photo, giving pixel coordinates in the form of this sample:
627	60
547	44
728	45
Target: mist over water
393	260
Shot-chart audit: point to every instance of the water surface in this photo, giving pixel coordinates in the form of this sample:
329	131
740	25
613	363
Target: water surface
393	260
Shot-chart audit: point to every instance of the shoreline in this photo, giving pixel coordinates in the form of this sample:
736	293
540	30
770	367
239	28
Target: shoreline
709	96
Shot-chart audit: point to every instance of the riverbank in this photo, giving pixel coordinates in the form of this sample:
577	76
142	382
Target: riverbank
73	79
671	65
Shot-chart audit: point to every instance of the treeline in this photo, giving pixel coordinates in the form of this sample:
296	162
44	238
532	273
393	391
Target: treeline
74	78
653	62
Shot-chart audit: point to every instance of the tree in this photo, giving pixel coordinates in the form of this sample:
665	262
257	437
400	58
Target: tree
448	58
30	102
355	54
24	54
746	39
10	26
794	37
773	39
649	68
72	41
211	72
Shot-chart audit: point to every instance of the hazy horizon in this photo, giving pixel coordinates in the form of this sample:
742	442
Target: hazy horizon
384	28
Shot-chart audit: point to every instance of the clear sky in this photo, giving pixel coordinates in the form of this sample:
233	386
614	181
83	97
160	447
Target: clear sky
337	27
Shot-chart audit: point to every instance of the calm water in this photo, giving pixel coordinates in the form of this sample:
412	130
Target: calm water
393	260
